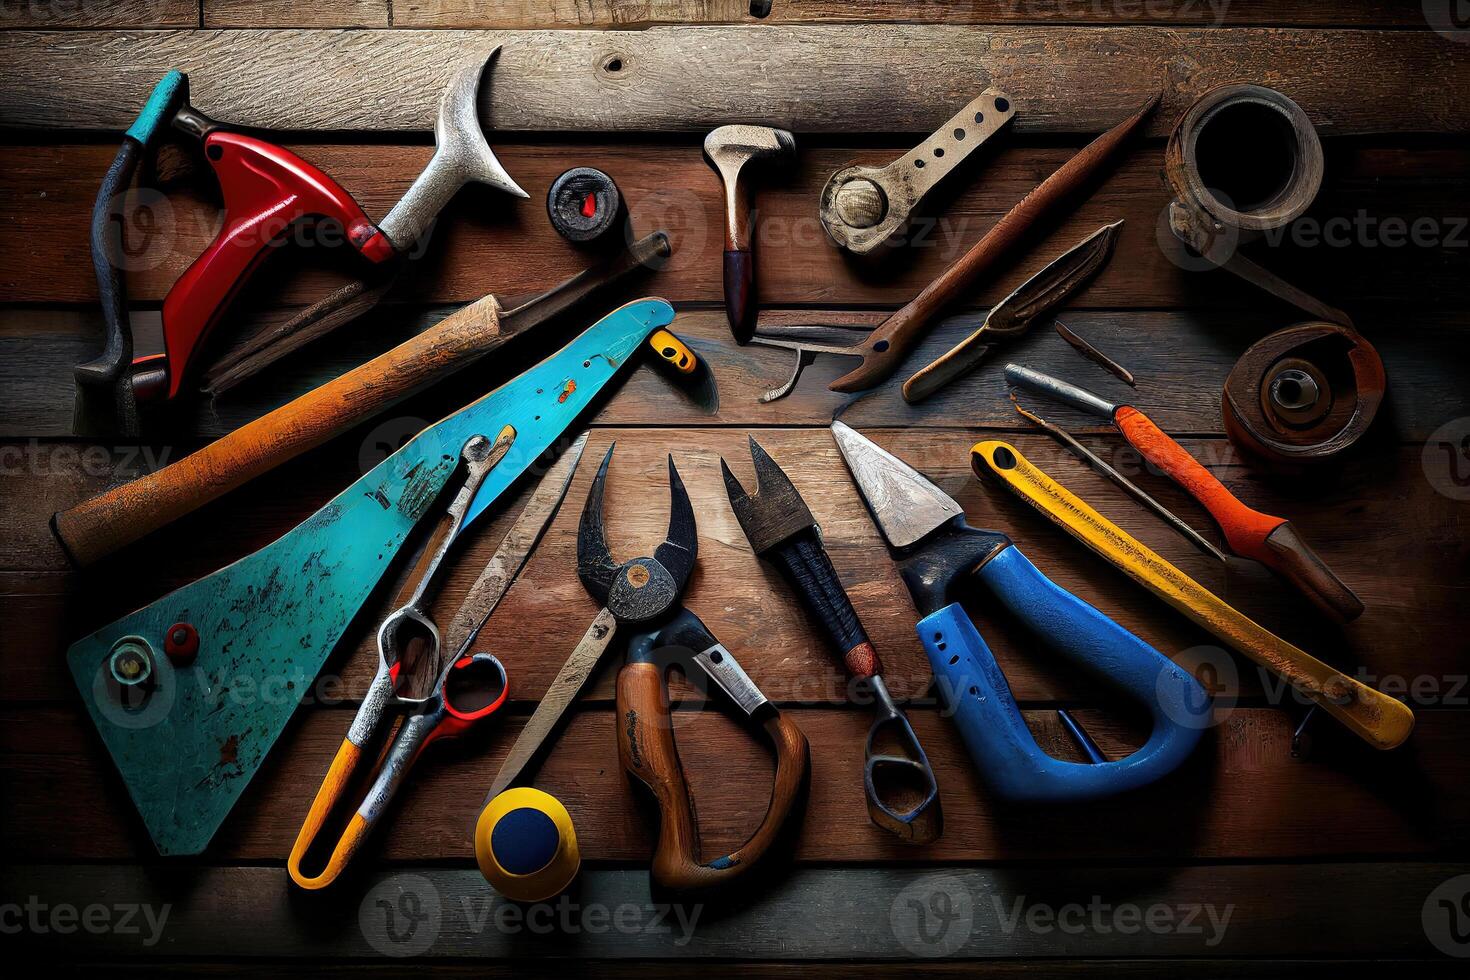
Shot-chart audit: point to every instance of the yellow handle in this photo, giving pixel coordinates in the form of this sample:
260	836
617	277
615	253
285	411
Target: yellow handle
338	776
673	351
1378	719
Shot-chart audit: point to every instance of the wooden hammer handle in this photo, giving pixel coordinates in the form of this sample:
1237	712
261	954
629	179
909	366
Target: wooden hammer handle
895	337
649	755
100	526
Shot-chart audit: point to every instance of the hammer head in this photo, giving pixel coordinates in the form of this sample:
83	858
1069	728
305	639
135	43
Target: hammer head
462	156
730	147
457	132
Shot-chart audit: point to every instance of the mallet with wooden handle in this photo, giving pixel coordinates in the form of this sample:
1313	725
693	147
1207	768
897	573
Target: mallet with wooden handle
1272	541
886	346
100	526
1378	719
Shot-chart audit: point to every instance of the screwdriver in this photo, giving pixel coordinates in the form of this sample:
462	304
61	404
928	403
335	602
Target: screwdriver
1272	541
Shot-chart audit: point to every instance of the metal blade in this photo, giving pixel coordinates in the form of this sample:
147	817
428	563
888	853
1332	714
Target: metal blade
513	552
905	506
775	511
1062	391
595	565
559	696
680	547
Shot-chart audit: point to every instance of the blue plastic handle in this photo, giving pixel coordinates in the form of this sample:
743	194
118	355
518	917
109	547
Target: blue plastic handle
157	110
973	688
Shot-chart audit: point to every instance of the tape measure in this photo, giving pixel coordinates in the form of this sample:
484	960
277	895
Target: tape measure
584	205
526	845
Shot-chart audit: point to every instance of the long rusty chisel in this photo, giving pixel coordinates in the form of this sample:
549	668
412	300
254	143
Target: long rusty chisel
1378	719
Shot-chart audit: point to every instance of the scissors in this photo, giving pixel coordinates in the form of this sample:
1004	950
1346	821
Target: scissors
469	689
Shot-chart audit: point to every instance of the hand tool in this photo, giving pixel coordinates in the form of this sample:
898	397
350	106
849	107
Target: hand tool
99	526
926	533
1272	541
270	618
584	205
886	346
902	794
806	341
729	150
1244	159
649	755
862	206
1303	394
526	845
1376	718
409	645
1014	315
638	592
266	190
1094	355
1133	490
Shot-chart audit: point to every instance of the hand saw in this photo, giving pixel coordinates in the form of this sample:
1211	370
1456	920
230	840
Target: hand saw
189	740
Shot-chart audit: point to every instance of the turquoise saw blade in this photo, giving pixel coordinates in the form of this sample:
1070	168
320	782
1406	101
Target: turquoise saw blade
268	622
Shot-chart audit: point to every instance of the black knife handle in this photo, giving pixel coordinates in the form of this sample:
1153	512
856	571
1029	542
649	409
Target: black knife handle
807	567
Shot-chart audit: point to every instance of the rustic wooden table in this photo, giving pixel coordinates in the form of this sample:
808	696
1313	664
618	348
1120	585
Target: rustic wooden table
1247	862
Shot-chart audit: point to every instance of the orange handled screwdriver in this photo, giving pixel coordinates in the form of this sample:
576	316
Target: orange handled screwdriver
1272	541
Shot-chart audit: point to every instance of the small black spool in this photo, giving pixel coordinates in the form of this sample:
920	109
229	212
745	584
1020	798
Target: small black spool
577	192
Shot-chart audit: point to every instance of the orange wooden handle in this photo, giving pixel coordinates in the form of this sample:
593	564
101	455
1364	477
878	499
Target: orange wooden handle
1246	530
1272	541
344	764
96	528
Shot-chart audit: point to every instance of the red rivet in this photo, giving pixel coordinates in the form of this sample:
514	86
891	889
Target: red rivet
589	206
181	644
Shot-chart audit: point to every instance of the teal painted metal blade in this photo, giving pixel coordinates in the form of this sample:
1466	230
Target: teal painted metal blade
268	622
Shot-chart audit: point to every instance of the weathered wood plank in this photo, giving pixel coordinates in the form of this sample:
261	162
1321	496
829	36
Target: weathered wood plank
487	242
1179	357
1170	969
694	78
1241	796
639	13
1408	568
864	914
90	14
291	13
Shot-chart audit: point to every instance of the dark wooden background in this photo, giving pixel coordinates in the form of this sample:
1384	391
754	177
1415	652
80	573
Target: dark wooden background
1330	856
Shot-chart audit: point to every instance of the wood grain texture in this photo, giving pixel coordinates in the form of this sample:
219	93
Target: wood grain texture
1407	578
1240	796
1181	358
292	13
485	242
792	77
638	13
1377	908
75	14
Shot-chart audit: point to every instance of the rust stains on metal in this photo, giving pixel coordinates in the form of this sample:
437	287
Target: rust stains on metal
568	386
